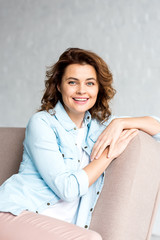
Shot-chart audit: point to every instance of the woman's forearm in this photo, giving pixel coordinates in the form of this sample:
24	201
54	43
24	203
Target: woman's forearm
97	167
146	124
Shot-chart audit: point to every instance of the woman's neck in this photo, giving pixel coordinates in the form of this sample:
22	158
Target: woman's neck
78	122
77	119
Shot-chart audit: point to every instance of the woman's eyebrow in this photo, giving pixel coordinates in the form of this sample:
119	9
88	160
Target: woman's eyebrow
91	79
73	78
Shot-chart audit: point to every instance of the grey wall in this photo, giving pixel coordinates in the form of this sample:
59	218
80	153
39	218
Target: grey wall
33	33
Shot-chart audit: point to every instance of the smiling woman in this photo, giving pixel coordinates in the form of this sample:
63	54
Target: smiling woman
68	145
85	60
79	88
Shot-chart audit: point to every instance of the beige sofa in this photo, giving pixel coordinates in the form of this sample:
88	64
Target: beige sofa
134	177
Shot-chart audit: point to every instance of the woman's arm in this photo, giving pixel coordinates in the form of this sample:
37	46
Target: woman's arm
97	167
42	148
112	132
146	124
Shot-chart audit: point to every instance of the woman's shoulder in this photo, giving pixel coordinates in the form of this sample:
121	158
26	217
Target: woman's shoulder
41	115
40	118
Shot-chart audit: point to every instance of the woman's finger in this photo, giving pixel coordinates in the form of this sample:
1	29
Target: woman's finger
127	133
100	141
95	149
108	137
101	149
111	147
123	141
98	149
130	135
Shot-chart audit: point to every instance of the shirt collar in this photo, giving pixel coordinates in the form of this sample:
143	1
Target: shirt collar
63	118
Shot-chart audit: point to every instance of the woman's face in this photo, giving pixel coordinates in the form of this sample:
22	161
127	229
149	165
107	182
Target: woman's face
79	89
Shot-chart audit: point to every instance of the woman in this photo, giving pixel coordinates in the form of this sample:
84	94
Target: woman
68	145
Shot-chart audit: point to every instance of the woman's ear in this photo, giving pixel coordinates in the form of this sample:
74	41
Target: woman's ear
58	87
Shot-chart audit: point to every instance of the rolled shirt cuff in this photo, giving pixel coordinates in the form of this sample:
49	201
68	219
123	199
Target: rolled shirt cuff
156	136
83	181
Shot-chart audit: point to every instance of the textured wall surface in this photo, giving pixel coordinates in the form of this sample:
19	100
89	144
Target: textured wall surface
125	33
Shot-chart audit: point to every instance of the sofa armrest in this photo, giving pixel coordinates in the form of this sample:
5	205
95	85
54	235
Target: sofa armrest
129	197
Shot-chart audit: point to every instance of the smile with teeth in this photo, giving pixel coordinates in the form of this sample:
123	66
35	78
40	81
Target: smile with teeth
80	99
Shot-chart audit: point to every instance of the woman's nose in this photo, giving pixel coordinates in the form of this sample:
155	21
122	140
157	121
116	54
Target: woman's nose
81	89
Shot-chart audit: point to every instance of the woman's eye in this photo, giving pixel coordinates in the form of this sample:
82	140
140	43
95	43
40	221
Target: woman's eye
72	82
90	83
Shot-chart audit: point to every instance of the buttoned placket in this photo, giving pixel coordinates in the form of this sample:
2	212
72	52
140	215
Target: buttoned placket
98	189
75	133
85	148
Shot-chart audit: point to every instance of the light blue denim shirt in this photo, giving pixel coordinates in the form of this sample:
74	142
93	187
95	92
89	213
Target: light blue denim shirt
50	169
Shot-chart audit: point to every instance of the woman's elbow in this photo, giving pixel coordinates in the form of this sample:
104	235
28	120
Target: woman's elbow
66	189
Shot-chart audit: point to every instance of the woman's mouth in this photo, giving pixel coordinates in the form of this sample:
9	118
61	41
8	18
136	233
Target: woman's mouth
80	100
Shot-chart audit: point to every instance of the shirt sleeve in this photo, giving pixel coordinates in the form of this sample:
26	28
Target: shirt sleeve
156	136
42	147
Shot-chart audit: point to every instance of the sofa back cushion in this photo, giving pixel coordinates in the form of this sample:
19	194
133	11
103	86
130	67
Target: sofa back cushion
11	149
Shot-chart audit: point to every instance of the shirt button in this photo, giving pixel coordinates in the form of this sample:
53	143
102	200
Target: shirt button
78	160
48	203
75	128
91	209
76	144
62	155
86	226
36	211
97	193
88	117
85	147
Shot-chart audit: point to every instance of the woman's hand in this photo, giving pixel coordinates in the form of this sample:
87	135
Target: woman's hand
95	168
108	138
111	134
121	144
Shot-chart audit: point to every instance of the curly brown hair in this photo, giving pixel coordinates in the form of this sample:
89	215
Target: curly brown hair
54	73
